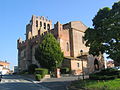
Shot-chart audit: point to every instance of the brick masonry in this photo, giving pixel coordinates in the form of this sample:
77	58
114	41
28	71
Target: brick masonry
69	36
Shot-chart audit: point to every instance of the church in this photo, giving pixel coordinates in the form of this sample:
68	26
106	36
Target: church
70	37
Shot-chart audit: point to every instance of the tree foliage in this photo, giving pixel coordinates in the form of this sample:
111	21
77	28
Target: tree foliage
31	68
48	53
104	37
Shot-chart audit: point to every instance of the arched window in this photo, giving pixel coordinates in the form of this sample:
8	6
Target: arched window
96	64
48	26
40	24
82	39
67	46
44	25
36	23
38	32
78	64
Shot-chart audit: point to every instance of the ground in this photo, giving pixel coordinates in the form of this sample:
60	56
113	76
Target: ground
17	82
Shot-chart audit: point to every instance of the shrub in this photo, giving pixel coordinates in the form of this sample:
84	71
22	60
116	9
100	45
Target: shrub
109	72
23	72
38	77
104	77
31	68
105	74
64	70
41	71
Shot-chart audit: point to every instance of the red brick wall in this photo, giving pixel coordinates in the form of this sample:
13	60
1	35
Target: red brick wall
64	39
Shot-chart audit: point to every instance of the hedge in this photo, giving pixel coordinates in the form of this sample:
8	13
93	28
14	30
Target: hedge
105	74
104	77
38	77
41	71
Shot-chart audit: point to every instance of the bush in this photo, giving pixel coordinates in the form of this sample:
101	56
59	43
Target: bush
105	74
24	72
31	68
109	72
41	71
38	77
104	77
119	74
65	70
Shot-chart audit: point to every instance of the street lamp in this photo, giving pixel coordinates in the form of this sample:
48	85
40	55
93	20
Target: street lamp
81	51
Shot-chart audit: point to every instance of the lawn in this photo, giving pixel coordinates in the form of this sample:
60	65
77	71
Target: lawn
95	85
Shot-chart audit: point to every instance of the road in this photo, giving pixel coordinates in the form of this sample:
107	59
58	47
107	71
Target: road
58	83
16	82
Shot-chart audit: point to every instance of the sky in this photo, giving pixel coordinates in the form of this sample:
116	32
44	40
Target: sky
15	14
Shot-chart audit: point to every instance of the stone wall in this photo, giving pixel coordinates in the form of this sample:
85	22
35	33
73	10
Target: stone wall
65	42
69	35
78	42
33	56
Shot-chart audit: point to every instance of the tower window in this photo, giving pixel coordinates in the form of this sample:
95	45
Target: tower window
40	24
44	25
48	26
38	32
67	46
36	23
82	39
78	64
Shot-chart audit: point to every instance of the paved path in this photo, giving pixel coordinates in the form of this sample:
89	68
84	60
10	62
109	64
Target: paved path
58	83
14	82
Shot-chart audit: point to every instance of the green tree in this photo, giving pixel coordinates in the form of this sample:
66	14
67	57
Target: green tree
48	53
31	68
104	37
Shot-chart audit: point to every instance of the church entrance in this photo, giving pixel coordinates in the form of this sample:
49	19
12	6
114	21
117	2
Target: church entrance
96	64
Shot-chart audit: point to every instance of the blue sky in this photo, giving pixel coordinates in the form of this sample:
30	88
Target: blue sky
15	14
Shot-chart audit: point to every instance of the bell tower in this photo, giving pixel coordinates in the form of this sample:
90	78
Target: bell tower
37	26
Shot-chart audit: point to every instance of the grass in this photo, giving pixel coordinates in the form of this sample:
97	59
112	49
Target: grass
95	85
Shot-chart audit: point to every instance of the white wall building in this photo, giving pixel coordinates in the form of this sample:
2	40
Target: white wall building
4	67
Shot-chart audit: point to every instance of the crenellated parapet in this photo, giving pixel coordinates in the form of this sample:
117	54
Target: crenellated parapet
20	43
37	26
42	18
23	44
66	26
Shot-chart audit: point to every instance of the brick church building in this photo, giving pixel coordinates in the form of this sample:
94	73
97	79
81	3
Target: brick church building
70	38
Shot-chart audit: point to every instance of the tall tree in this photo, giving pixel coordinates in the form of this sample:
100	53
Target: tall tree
48	53
104	37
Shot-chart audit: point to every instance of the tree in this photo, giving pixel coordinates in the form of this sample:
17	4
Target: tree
31	68
48	53
104	37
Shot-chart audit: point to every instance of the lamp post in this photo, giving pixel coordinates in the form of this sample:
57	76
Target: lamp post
81	51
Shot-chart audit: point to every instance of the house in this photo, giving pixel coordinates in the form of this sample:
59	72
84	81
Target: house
4	67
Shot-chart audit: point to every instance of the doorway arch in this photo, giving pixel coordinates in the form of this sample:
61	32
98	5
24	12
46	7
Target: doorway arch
96	64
